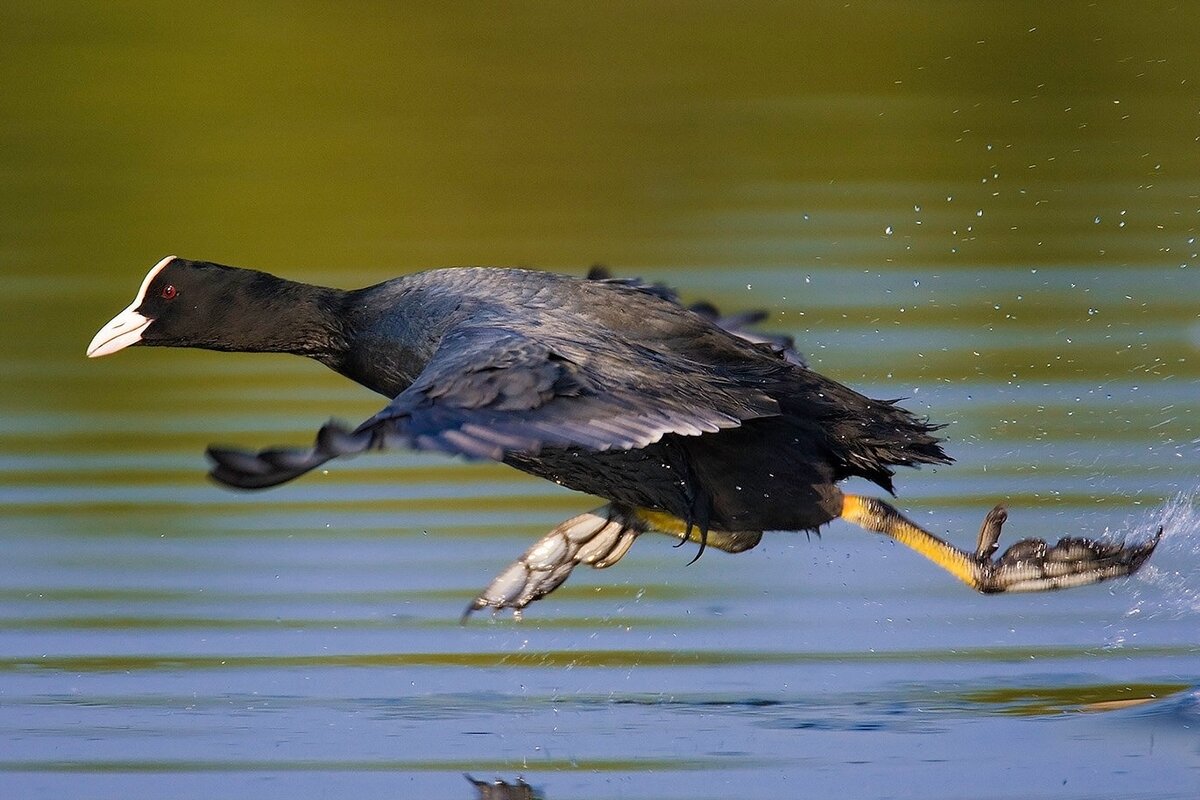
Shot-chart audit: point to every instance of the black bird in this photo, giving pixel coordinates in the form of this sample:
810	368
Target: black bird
686	422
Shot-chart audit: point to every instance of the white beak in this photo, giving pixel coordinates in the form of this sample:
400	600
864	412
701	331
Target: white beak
123	330
126	328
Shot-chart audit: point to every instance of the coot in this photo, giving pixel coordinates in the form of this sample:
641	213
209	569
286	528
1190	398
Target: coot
687	422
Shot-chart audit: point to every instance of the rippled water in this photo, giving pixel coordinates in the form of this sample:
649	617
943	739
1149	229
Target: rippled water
1012	249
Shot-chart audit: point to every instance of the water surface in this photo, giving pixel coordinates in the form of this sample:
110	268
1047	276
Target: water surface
988	210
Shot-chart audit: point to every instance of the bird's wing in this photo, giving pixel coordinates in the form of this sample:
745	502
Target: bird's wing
743	325
489	391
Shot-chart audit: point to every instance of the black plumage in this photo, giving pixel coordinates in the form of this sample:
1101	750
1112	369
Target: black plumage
608	386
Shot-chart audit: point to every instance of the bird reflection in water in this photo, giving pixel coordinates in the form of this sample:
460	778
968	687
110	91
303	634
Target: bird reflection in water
503	790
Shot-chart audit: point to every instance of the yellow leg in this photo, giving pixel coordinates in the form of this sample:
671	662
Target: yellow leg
729	541
1030	565
662	522
878	516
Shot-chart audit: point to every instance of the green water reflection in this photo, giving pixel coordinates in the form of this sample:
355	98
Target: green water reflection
990	209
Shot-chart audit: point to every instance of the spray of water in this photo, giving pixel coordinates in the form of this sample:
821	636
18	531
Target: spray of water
1169	585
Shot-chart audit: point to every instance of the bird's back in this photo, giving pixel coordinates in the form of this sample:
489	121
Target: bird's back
799	432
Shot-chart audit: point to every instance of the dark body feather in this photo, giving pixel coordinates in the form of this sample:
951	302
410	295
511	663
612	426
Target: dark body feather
596	385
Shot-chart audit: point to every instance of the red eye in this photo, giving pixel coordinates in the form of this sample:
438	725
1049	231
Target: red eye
169	291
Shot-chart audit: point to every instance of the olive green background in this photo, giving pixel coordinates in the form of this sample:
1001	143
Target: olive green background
990	209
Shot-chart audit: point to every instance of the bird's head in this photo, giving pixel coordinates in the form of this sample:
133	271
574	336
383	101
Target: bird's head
180	303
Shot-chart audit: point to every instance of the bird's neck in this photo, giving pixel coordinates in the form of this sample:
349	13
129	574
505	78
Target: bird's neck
282	316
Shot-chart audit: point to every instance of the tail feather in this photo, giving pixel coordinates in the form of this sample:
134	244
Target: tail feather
864	437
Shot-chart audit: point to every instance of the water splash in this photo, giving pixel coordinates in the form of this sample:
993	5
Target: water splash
1169	585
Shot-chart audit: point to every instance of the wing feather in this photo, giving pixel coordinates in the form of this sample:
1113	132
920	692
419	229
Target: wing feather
489	391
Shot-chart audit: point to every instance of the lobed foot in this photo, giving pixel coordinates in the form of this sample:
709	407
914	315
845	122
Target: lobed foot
1031	565
598	538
